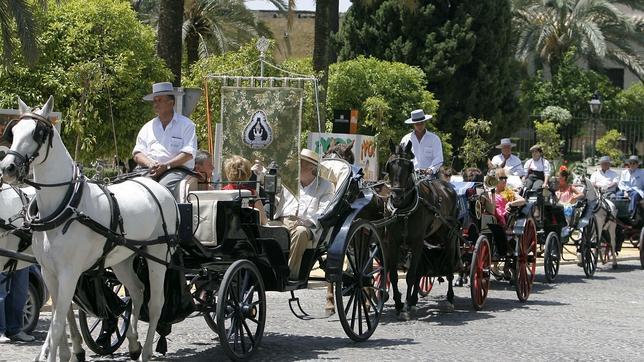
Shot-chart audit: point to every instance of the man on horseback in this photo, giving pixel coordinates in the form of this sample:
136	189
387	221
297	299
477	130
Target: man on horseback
604	178
301	216
167	144
506	160
426	146
631	185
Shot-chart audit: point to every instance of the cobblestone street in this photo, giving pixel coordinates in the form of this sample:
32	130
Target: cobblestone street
575	319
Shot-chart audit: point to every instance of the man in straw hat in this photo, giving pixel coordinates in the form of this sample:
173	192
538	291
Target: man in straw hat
301	215
506	160
631	185
604	178
426	146
167	144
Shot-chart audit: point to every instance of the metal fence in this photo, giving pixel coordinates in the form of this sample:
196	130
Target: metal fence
578	135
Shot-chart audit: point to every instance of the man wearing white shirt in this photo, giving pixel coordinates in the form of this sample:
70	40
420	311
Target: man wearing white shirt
300	216
537	170
426	146
604	178
167	144
506	160
631	185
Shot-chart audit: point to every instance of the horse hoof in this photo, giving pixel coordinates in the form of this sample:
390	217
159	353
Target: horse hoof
136	354
445	306
329	311
80	356
614	266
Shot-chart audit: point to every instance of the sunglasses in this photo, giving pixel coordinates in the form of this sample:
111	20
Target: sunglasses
503	178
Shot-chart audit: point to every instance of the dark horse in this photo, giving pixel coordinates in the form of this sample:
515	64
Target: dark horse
426	226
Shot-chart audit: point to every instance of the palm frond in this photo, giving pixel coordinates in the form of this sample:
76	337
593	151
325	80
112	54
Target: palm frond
25	28
594	36
630	61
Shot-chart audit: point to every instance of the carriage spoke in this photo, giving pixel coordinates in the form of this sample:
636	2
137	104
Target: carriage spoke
94	325
359	304
370	301
353	313
250	335
348	306
249	294
241	334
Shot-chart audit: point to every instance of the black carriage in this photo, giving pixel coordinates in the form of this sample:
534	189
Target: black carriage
227	278
627	228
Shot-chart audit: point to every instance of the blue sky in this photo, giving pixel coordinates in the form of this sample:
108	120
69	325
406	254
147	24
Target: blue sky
308	5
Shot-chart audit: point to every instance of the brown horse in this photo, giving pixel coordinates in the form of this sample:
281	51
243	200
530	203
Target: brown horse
426	226
341	150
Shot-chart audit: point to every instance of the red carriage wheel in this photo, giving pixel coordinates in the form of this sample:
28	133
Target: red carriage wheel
526	260
425	286
480	272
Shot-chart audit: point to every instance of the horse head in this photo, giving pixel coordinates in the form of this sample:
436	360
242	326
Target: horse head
400	170
27	134
341	150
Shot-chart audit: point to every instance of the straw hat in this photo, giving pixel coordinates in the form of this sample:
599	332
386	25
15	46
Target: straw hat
604	159
418	116
505	142
310	156
633	159
161	89
536	147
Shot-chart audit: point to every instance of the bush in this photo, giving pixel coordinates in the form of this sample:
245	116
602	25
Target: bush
555	114
608	145
630	102
549	139
96	59
475	149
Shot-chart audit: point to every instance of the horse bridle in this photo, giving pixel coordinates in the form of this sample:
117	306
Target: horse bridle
406	191
41	134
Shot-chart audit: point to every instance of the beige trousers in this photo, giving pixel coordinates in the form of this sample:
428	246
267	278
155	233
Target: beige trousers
301	239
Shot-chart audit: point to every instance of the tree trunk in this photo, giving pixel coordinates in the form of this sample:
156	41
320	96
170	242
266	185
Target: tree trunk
169	36
192	48
321	50
334	27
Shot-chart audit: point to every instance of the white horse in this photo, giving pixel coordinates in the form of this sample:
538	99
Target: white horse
67	250
605	213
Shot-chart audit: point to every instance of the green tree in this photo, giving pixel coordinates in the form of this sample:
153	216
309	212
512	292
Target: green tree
629	103
475	148
608	145
557	115
465	48
95	49
549	139
596	29
17	19
169	29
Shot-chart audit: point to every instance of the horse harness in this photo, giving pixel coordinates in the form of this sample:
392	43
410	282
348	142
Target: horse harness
41	134
23	235
67	212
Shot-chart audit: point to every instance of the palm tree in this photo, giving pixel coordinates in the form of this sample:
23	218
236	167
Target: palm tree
20	13
598	29
215	26
169	36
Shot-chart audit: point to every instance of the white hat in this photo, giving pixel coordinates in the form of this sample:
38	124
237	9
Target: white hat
505	142
310	156
604	159
160	89
418	116
633	159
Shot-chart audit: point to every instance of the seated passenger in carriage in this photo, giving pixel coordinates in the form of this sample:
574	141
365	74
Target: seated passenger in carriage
203	170
301	216
631	186
505	198
166	145
605	179
506	160
566	193
236	170
536	169
426	146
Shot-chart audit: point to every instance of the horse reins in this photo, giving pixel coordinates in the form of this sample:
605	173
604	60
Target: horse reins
26	160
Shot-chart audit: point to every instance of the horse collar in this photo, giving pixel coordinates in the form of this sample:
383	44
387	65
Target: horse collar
64	211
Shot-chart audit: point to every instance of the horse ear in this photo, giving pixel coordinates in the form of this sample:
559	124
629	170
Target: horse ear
392	146
350	145
23	107
48	107
408	147
332	144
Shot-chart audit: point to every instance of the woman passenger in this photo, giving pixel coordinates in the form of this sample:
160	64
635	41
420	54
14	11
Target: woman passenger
566	193
505	197
237	169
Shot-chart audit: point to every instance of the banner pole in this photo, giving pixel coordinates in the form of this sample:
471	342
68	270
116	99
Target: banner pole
211	147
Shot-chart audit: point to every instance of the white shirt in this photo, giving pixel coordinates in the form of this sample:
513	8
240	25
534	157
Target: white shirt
428	153
541	165
512	167
162	145
603	180
312	202
632	181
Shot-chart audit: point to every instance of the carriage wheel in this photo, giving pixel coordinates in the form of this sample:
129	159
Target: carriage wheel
589	248
378	264
105	336
209	315
551	257
526	261
241	310
642	248
480	272
425	286
32	309
361	293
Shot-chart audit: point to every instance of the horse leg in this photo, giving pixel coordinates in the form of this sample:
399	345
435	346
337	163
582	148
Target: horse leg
52	287
66	285
156	274
450	290
126	275
612	233
77	339
329	307
392	261
413	279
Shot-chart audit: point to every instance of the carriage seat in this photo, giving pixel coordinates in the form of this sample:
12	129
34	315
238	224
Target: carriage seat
204	212
185	187
339	173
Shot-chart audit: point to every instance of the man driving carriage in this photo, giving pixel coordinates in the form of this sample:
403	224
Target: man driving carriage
604	178
631	185
506	160
426	146
301	216
166	145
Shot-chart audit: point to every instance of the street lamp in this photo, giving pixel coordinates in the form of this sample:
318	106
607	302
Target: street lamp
595	105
